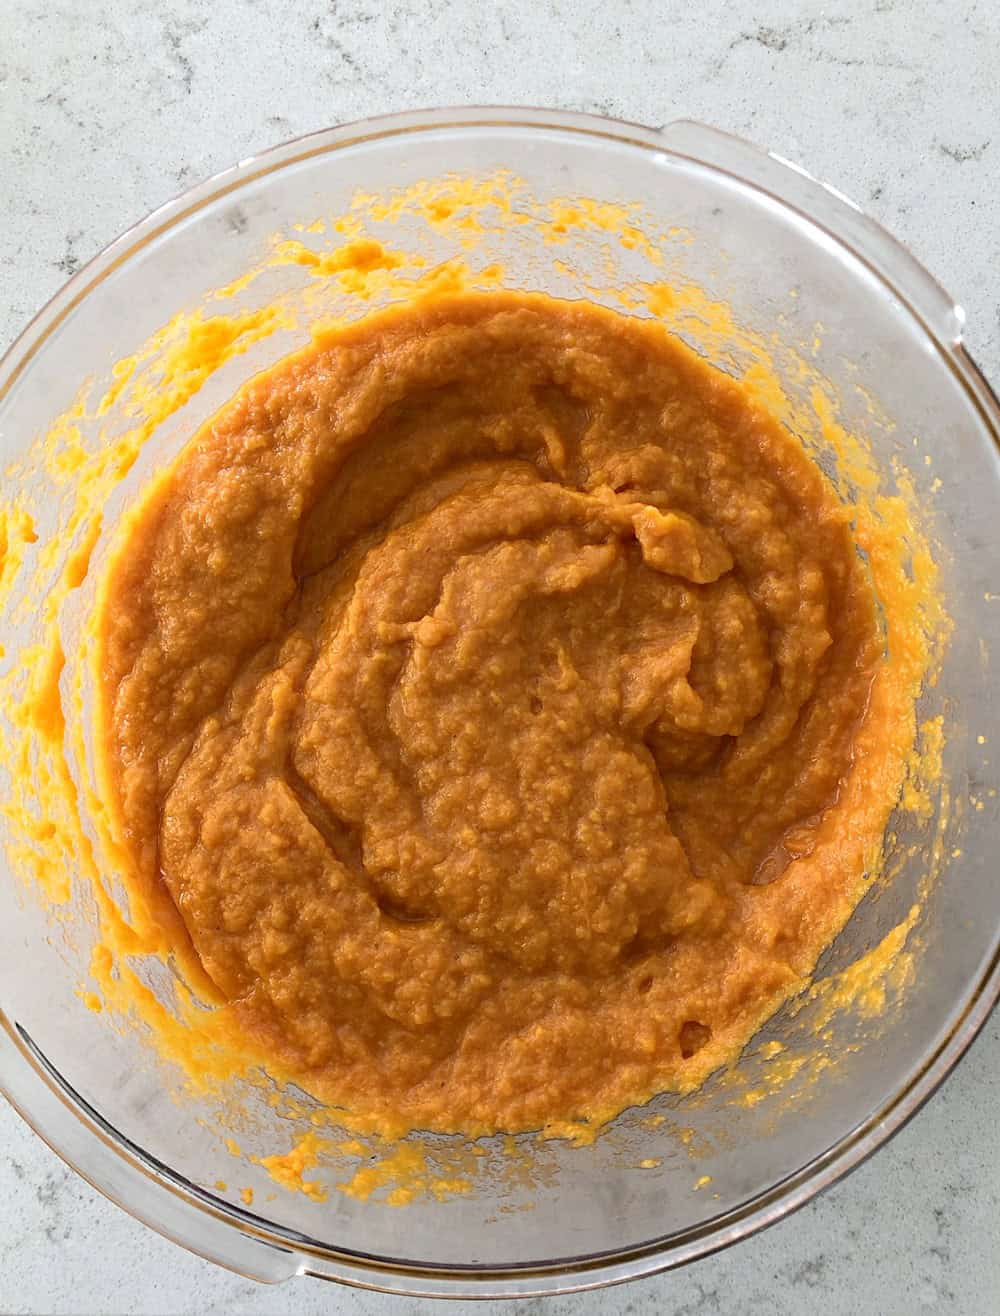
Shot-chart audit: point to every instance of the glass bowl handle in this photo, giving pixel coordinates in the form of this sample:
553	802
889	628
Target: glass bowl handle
823	205
29	1084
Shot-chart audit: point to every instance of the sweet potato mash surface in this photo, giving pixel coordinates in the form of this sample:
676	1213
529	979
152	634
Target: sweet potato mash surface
487	690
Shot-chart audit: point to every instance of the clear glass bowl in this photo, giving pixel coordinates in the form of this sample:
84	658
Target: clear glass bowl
785	252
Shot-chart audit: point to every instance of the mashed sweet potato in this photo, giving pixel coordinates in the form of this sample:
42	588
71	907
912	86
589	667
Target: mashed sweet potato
486	692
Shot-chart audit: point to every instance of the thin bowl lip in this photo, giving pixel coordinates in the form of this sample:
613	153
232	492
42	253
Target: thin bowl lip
570	1274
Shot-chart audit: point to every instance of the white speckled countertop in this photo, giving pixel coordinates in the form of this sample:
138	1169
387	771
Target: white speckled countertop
107	109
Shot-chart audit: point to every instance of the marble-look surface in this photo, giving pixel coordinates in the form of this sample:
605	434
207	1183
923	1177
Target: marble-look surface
109	107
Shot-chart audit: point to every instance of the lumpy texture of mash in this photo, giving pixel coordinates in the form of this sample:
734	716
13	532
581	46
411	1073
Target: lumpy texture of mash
487	689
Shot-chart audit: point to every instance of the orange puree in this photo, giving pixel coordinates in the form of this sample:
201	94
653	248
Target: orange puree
492	698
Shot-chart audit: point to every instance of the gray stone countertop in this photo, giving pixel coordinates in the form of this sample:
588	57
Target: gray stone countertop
109	107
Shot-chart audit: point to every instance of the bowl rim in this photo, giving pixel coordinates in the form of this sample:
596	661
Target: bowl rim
24	1070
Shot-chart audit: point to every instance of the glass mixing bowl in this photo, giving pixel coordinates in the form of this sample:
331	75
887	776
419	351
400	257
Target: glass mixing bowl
797	264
